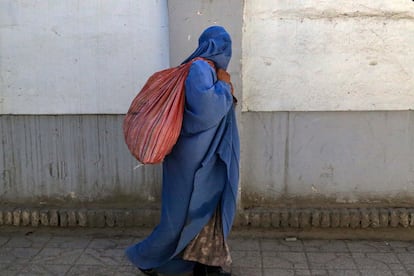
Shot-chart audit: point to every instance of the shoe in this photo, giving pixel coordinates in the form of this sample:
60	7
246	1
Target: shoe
199	270
206	270
149	272
218	271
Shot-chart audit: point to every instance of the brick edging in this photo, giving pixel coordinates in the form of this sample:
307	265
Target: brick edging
55	217
299	218
327	218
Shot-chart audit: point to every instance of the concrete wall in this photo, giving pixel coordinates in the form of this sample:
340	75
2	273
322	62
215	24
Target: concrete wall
327	55
304	158
317	158
69	159
75	57
288	158
78	57
307	56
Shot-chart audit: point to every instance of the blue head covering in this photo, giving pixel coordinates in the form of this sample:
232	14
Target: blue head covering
214	44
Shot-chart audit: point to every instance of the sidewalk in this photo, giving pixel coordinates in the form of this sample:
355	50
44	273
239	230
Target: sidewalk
42	251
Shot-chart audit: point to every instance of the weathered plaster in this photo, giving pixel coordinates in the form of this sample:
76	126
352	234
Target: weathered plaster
328	56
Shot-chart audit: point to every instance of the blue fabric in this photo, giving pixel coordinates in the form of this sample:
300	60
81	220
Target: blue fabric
201	172
214	44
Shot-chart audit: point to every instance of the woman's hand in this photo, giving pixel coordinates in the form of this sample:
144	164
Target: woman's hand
223	76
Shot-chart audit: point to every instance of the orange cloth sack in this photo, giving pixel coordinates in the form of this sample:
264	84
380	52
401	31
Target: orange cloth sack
154	119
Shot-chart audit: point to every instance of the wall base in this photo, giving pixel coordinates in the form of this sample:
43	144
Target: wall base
275	218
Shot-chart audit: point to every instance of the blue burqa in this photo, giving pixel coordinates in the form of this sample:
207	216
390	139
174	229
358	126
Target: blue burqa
201	173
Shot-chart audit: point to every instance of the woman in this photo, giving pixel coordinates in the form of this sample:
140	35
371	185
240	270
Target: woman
200	175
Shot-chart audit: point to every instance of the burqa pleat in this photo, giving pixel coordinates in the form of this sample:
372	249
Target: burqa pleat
202	171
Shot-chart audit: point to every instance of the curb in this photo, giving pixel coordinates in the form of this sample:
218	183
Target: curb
296	218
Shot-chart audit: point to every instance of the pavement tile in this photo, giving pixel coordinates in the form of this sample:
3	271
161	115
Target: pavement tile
57	256
92	270
376	272
325	246
406	258
27	241
103	257
397	244
330	261
281	245
244	244
82	252
319	272
402	246
401	273
10	269
286	272
246	259
4	240
17	255
104	270
290	260
345	272
245	271
110	243
68	242
368	246
381	261
39	269
410	270
126	270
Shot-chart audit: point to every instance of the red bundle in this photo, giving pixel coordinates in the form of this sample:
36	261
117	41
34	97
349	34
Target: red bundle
154	119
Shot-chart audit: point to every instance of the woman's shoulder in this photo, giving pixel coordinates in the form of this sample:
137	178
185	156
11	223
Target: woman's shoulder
201	65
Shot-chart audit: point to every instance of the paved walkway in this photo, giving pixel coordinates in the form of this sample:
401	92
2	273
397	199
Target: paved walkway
101	252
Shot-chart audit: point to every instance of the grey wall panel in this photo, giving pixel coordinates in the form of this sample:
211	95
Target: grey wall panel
327	157
351	156
263	154
81	157
345	156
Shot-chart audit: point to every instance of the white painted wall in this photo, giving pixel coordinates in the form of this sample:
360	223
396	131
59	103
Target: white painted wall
78	57
328	55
